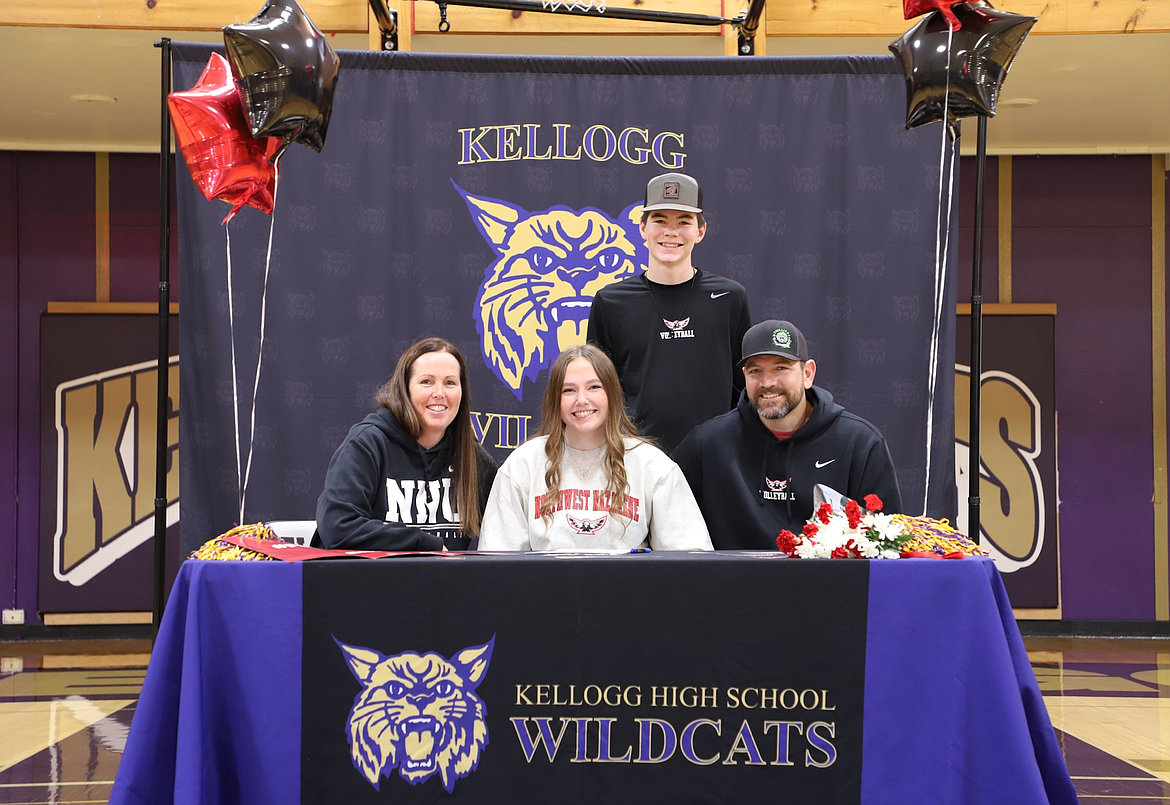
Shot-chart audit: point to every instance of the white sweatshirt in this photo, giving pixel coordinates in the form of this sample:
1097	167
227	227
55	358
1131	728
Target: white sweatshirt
660	512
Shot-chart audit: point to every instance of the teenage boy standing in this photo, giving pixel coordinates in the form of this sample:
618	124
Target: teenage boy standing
674	332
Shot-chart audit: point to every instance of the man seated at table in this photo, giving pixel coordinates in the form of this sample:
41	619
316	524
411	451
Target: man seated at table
753	469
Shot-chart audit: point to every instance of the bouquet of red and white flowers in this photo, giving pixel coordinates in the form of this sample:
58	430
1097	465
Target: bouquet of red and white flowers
850	534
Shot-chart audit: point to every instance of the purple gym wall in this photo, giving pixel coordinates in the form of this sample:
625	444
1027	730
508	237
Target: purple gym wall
1081	239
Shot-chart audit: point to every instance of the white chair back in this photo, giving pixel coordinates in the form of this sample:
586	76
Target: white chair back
298	532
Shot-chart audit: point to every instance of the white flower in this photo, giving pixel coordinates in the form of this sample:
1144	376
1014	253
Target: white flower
876	536
833	531
867	548
887	529
812	550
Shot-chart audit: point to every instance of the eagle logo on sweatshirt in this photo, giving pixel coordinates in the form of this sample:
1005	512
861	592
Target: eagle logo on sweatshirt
586	527
680	324
776	486
777	490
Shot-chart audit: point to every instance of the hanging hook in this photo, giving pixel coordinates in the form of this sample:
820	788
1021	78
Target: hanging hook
444	25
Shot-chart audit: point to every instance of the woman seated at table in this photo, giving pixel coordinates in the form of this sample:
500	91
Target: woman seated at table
410	476
587	481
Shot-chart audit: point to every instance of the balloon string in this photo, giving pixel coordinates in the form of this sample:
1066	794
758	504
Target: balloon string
260	353
235	391
941	249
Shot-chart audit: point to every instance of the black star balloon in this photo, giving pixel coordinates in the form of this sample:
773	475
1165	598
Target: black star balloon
962	78
286	73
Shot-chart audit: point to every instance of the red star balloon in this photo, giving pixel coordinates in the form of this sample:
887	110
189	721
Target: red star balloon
958	73
225	160
915	8
286	72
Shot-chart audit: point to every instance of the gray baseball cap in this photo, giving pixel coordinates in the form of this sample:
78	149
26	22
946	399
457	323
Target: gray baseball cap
673	191
774	337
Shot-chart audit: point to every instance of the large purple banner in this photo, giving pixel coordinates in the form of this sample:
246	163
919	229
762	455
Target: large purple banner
486	199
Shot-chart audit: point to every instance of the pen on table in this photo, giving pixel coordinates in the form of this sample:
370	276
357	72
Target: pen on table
639	550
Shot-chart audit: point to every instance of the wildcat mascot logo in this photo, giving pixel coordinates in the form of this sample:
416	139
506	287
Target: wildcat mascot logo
535	298
417	713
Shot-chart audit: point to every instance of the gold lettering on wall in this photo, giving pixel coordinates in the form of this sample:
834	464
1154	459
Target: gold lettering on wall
106	467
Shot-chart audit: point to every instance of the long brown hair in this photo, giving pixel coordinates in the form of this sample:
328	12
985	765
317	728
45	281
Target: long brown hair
617	428
395	395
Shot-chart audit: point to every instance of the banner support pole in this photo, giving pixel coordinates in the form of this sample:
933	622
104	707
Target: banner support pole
164	311
973	526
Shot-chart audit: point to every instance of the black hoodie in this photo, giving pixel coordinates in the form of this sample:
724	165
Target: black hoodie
386	492
751	485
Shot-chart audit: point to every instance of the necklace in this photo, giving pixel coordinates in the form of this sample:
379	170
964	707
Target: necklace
682	321
590	466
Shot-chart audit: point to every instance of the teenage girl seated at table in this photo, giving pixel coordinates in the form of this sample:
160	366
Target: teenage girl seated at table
587	481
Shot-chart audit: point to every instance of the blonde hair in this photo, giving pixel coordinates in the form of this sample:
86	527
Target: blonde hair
618	428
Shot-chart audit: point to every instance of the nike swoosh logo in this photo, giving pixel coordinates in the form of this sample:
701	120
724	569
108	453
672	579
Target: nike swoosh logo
717	295
820	464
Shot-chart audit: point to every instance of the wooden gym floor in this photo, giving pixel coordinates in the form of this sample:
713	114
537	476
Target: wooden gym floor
65	710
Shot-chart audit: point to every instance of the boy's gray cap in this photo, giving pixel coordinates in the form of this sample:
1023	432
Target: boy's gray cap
673	191
772	337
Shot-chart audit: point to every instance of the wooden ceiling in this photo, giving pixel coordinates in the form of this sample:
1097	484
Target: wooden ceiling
1093	77
784	17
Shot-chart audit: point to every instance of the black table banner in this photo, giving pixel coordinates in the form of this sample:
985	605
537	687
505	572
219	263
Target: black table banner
549	687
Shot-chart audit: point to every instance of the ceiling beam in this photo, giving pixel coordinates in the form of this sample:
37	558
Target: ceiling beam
468	20
837	18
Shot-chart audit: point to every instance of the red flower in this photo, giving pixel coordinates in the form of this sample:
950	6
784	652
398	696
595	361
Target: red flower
839	553
873	503
786	542
810	530
824	511
853	513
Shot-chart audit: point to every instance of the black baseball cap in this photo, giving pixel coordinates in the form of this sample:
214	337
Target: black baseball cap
673	191
774	337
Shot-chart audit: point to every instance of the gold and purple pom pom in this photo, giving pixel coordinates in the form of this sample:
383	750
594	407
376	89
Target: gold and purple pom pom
218	550
935	536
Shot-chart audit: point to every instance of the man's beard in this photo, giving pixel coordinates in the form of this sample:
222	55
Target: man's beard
780	411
